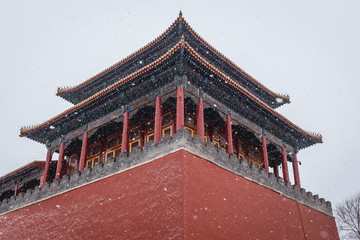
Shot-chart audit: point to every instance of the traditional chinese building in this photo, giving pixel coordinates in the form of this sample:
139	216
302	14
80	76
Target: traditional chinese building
174	141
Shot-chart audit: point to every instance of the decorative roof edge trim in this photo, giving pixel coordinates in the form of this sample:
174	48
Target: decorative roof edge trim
62	90
250	95
285	97
25	130
180	44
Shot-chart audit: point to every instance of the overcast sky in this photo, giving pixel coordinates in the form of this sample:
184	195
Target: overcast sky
307	49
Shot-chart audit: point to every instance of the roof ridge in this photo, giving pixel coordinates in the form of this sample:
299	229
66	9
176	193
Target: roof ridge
282	96
252	96
28	129
61	90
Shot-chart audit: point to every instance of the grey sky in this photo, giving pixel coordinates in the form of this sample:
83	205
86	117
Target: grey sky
307	49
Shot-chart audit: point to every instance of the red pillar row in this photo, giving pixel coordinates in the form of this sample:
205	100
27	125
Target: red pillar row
200	128
60	161
125	133
83	154
229	139
158	119
45	176
265	154
284	165
180	116
296	171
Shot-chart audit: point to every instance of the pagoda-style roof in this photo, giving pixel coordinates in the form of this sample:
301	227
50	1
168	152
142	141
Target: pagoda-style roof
181	59
22	170
159	47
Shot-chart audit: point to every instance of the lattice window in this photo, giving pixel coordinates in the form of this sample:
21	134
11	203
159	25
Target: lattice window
167	119
167	130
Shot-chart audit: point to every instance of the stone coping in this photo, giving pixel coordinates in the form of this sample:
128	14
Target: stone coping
152	151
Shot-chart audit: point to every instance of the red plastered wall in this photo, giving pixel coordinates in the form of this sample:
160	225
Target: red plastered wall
222	205
142	203
179	196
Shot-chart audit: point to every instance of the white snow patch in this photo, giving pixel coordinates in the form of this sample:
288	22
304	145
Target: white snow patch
279	100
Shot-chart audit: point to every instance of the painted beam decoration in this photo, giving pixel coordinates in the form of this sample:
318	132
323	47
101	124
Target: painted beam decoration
179	51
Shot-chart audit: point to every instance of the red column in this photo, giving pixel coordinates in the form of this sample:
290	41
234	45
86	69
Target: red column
276	170
229	138
296	171
158	119
84	149
60	161
125	133
180	122
265	154
284	165
173	121
200	118
16	190
45	176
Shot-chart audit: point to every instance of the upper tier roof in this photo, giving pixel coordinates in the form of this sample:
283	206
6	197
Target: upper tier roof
158	47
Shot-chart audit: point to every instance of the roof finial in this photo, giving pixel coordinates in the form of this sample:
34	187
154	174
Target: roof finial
180	14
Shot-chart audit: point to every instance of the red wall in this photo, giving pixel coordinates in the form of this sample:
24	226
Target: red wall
222	205
179	196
